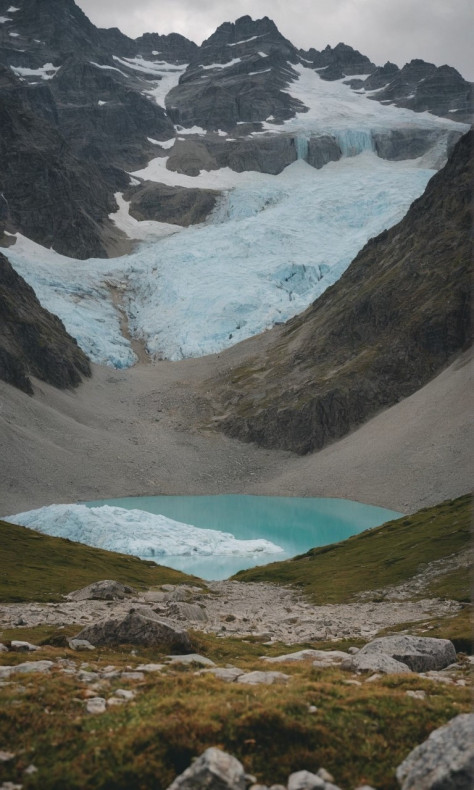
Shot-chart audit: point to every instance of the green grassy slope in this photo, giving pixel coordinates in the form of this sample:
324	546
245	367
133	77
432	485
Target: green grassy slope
386	555
37	567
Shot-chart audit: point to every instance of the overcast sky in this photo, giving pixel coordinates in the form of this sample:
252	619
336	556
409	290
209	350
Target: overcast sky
439	31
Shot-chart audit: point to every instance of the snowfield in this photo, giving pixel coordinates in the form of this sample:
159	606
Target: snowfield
137	532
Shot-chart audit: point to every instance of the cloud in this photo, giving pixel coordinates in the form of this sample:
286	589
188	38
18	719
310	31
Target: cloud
396	30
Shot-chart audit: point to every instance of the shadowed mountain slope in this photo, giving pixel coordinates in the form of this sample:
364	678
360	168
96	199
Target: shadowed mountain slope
32	340
393	321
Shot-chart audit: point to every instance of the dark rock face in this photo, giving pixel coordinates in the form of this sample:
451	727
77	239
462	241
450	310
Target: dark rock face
172	48
390	324
176	205
238	75
338	62
423	86
49	195
33	342
102	118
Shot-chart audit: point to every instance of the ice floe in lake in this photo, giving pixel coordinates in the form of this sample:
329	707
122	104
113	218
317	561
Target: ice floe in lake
137	532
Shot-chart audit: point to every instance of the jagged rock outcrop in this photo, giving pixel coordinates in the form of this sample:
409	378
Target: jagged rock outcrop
238	75
172	48
392	322
338	62
422	86
33	342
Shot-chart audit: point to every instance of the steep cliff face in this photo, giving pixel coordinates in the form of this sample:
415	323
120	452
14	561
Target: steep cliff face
49	194
33	342
392	321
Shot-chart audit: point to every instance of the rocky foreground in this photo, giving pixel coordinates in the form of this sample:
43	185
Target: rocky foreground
445	760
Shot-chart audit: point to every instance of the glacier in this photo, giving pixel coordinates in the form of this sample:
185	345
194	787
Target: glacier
271	247
139	533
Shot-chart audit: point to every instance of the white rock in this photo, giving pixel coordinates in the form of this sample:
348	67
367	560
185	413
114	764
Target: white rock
150	667
96	705
192	658
419	694
126	694
304	780
213	770
80	644
227	674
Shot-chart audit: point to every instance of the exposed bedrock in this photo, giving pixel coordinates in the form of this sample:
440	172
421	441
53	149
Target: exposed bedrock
271	153
176	205
32	340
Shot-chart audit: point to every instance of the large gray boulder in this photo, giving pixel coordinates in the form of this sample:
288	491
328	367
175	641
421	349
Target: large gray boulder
445	761
419	653
105	590
374	662
213	770
138	627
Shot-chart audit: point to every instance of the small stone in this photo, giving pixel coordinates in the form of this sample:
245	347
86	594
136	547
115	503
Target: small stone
192	658
87	677
277	787
419	694
5	757
353	650
10	786
32	769
258	787
227	674
250	779
3	648
213	769
125	694
150	667
113	701
22	647
352	682
325	775
373	678
96	705
312	709
133	676
304	780
80	644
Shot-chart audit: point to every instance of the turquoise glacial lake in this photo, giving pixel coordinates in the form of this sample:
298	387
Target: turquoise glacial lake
294	523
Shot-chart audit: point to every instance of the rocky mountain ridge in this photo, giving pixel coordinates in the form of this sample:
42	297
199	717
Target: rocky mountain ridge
110	100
